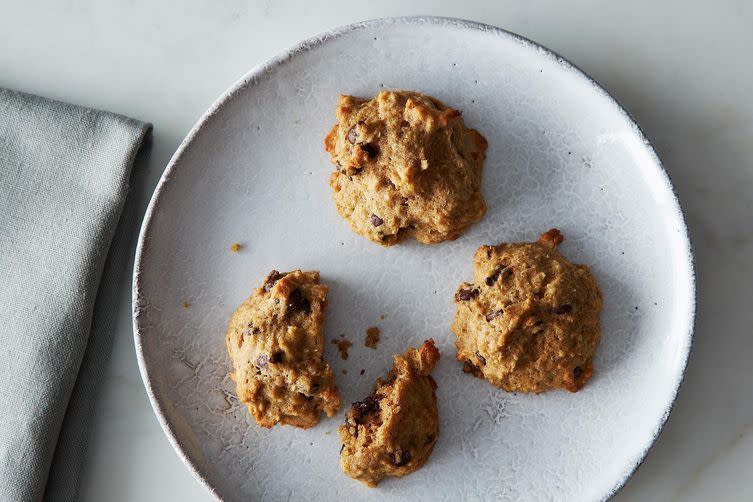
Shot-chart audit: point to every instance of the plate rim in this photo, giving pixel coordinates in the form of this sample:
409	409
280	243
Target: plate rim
314	42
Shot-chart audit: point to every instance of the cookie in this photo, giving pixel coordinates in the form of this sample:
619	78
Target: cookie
406	166
274	340
393	431
529	322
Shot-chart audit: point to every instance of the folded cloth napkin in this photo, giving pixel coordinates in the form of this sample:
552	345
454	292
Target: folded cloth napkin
64	176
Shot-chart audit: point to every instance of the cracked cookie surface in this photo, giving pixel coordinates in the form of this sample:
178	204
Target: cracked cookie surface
405	166
393	430
275	342
529	322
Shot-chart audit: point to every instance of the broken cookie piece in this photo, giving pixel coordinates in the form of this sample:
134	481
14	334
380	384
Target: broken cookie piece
275	342
393	430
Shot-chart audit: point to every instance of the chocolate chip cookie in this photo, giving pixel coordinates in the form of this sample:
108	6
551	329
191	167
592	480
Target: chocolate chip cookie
275	343
406	165
529	322
393	431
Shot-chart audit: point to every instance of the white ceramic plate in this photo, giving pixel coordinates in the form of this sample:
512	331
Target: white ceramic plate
561	153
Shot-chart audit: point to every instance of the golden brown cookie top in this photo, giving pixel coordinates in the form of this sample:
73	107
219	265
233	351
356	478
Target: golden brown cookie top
529	321
274	340
406	165
393	430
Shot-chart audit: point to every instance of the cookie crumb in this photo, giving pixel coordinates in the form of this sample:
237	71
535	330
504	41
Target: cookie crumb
186	305
363	371
236	247
372	337
345	372
381	317
342	346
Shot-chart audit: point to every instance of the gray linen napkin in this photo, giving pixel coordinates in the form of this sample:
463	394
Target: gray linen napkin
64	175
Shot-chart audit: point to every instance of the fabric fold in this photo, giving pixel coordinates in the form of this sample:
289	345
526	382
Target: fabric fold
64	176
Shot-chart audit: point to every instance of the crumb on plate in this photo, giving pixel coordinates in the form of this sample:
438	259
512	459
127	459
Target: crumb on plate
342	346
372	337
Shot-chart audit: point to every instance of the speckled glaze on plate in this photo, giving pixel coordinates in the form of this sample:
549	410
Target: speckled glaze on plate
561	153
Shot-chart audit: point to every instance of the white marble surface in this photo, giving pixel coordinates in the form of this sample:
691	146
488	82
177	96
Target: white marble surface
681	68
